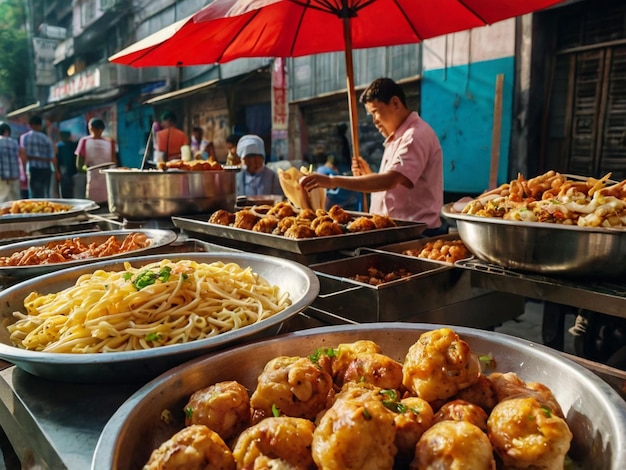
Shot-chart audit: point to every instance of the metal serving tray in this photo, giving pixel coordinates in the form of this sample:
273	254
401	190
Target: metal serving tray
430	286
77	206
404	230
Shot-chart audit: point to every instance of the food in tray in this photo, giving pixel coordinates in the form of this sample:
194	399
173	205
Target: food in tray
286	220
449	251
553	197
26	206
296	194
193	165
163	303
349	406
375	276
75	249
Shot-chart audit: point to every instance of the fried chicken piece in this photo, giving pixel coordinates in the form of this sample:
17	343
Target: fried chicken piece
383	221
327	229
373	368
284	224
245	219
282	210
345	353
355	434
481	393
526	434
294	385
509	385
307	214
339	215
300	231
459	410
195	447
223	407
361	224
266	225
276	443
439	364
453	445
321	219
414	416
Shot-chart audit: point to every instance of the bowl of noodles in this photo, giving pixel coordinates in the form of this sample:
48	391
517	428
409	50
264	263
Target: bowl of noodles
130	319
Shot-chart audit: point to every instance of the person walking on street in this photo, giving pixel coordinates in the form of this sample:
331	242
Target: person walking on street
38	151
409	183
9	165
66	161
169	139
94	153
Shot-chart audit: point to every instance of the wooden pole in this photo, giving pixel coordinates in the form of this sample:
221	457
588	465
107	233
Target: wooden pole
352	104
496	132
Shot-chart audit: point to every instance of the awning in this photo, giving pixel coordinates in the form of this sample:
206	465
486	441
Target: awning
23	110
82	100
183	92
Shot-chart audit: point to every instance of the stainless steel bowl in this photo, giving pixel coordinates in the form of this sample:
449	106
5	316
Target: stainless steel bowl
594	411
149	194
543	247
134	366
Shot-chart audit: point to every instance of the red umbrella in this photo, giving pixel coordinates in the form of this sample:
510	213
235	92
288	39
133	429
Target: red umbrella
226	30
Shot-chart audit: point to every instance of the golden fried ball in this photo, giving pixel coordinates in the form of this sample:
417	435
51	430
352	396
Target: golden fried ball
361	224
222	217
459	410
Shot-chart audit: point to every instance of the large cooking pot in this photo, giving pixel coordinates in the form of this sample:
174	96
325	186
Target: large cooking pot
149	194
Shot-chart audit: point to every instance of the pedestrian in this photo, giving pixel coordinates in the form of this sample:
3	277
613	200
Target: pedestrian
255	178
169	139
9	165
232	158
94	153
409	183
38	151
201	149
66	161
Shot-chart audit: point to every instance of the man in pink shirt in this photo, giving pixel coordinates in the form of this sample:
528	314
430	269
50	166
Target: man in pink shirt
409	183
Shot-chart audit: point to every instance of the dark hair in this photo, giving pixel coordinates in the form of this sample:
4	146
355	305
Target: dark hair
233	139
96	123
66	134
382	89
35	120
168	116
4	127
198	129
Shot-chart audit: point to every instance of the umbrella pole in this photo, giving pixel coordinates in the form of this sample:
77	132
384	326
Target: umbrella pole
352	105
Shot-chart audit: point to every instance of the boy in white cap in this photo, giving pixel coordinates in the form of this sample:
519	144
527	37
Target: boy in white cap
255	178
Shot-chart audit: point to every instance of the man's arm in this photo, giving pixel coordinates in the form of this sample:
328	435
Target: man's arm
371	183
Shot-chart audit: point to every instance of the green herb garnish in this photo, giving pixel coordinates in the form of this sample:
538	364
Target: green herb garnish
546	411
275	411
154	336
147	278
366	414
189	412
319	352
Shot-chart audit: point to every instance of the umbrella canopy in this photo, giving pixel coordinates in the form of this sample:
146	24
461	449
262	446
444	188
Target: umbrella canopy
226	30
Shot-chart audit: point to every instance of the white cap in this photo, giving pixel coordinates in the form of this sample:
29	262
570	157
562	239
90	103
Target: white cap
250	145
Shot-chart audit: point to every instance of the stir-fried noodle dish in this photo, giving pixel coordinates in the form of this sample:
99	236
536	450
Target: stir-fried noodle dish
162	303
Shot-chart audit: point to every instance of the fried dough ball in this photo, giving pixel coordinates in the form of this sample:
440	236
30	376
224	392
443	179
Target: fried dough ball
195	447
307	214
223	407
265	225
374	368
355	434
361	224
299	231
294	385
276	443
339	215
284	224
222	217
509	385
439	364
321	219
383	221
453	445
481	393
526	434
347	352
327	229
413	418
459	410
245	219
282	210
359	391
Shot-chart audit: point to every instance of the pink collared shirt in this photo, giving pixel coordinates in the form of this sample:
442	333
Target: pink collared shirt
414	151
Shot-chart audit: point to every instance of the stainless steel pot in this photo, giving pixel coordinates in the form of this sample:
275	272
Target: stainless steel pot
149	194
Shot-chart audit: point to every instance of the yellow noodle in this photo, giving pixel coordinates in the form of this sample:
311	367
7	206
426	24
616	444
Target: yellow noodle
112	311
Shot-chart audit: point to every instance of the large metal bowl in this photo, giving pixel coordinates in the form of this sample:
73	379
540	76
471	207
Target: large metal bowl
545	248
149	194
134	366
594	411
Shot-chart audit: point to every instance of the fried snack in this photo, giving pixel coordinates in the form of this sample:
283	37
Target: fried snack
448	251
460	410
193	165
195	447
414	416
297	195
373	368
27	206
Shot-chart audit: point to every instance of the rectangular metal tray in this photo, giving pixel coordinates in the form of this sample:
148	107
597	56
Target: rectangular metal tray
431	285
404	230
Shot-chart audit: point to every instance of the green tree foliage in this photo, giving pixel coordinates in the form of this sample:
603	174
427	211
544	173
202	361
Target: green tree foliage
13	50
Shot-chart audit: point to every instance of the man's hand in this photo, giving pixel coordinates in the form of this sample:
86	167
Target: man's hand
360	167
316	180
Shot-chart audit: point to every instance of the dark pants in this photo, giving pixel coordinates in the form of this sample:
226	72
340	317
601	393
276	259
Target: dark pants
40	182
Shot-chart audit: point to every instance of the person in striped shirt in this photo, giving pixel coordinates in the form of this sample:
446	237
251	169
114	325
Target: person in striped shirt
9	165
38	150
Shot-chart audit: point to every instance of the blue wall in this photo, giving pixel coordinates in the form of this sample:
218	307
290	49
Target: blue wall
133	128
458	103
